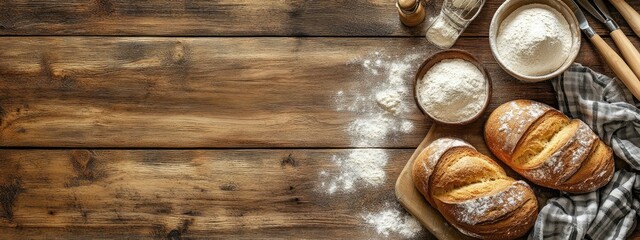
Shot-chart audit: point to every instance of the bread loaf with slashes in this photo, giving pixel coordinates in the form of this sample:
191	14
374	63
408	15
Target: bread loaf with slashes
548	148
472	192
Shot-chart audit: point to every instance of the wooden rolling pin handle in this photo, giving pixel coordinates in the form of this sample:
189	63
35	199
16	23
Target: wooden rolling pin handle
630	15
629	52
619	67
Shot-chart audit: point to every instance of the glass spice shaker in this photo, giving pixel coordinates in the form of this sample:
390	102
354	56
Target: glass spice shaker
454	17
411	12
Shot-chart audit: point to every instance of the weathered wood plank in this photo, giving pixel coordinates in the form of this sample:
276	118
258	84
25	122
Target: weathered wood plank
79	194
209	92
225	18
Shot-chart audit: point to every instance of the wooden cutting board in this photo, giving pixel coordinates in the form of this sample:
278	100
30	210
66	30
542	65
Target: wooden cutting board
415	204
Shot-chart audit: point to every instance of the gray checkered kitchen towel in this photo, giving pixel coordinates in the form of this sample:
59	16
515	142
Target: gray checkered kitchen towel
610	110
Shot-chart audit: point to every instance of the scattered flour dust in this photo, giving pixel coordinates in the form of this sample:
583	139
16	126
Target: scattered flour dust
361	165
377	99
392	220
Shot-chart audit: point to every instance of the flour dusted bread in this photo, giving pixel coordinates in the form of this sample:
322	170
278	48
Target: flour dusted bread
548	148
473	192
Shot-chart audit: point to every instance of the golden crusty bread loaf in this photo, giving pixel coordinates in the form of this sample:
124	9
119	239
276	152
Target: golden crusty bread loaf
548	148
472	192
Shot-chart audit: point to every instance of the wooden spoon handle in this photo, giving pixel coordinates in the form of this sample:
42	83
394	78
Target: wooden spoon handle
619	67
631	16
629	52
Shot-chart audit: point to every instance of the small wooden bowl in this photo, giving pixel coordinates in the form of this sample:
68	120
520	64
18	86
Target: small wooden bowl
451	54
511	5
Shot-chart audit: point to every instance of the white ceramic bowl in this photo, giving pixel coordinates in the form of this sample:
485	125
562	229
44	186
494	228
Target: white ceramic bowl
511	5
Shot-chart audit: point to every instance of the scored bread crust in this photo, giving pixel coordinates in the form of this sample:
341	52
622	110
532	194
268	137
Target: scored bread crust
473	192
548	148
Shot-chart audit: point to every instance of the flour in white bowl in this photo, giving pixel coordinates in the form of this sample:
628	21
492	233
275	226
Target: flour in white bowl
534	40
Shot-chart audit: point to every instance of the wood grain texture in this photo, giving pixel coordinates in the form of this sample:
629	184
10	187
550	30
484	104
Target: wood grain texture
210	92
227	18
250	86
79	194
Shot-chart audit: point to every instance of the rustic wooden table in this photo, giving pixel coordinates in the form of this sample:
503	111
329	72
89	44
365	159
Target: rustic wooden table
200	119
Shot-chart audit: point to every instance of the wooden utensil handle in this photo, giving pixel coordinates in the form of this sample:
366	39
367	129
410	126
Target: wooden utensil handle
630	15
619	67
629	52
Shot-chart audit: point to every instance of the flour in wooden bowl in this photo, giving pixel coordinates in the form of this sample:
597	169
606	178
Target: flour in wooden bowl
453	90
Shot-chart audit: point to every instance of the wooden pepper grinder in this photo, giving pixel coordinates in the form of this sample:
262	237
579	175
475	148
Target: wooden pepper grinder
411	12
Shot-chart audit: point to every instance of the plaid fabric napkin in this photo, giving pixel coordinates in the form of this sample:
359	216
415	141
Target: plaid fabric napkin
611	111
